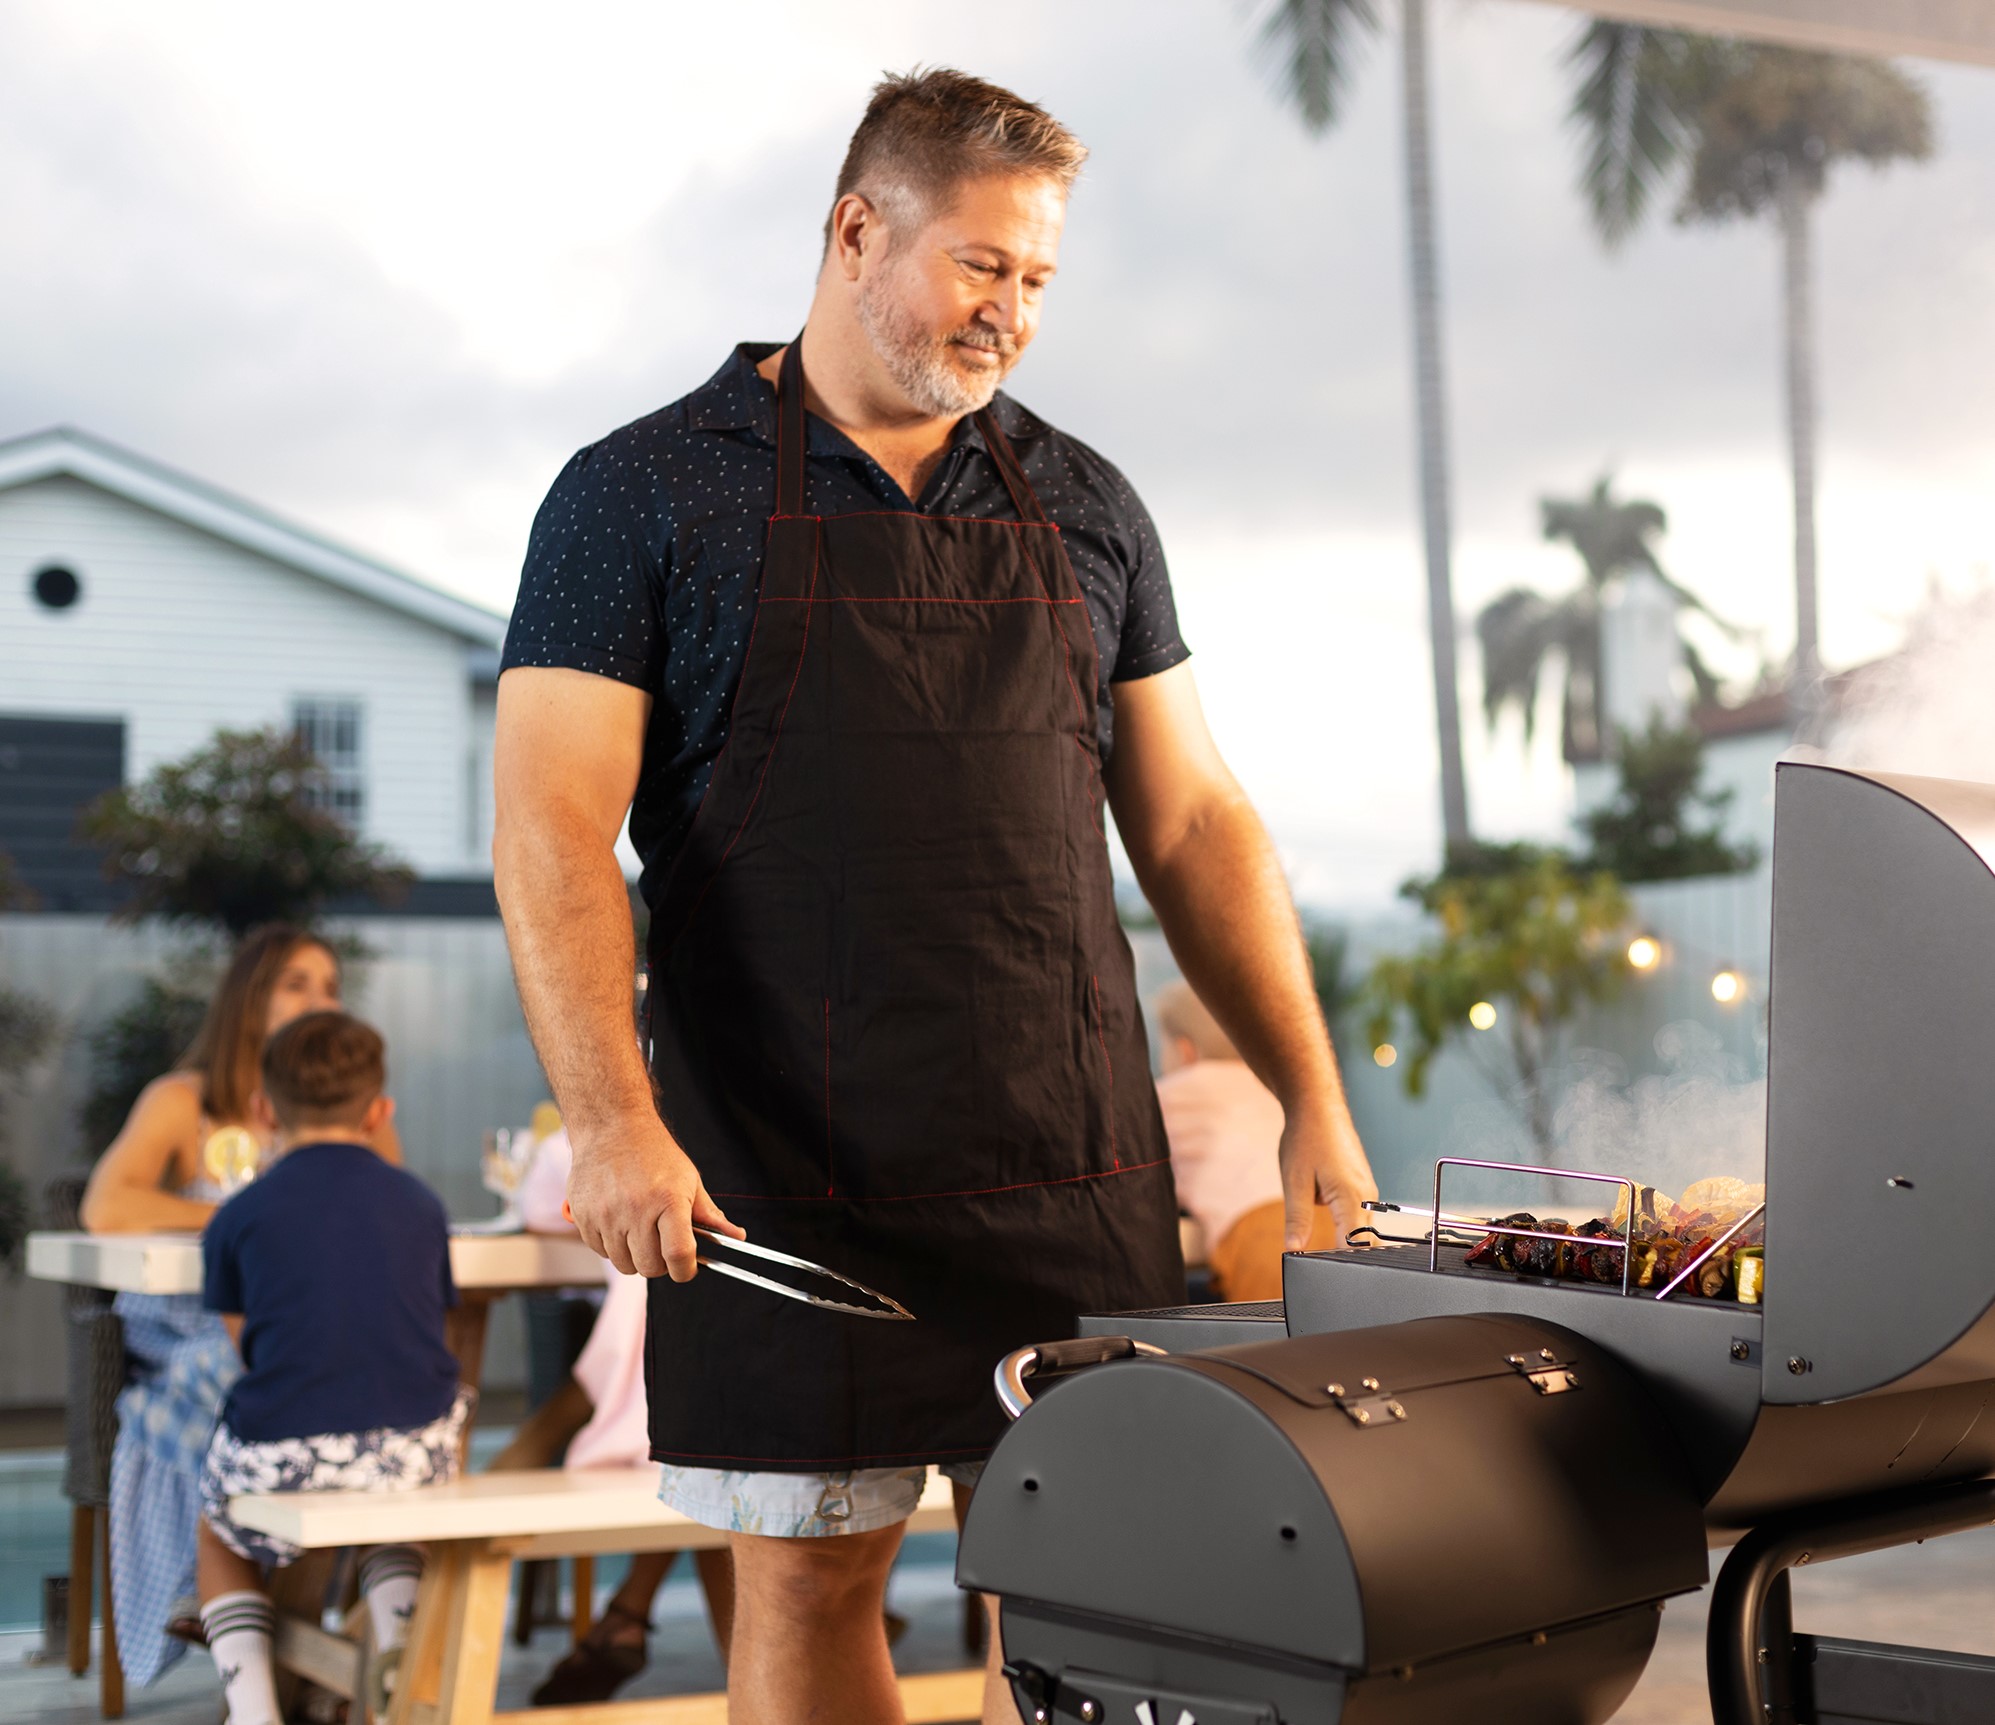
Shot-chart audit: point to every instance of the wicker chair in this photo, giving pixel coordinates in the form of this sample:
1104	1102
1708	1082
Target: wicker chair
94	1340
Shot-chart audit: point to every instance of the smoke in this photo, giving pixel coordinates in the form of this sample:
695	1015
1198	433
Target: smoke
1702	1115
1929	708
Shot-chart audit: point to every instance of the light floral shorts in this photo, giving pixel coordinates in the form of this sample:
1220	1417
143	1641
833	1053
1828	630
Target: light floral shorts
389	1458
802	1505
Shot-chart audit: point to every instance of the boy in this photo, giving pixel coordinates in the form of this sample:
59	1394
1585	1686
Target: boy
332	1273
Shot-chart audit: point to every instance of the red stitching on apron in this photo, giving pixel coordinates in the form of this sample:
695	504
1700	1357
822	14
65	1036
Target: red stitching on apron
967	1192
923	515
827	1461
1101	1036
905	599
830	1178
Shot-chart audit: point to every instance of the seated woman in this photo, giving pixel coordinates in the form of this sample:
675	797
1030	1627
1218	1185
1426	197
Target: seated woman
156	1178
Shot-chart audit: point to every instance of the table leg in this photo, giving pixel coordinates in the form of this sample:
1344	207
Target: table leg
475	1636
111	1691
584	1590
422	1654
464	1334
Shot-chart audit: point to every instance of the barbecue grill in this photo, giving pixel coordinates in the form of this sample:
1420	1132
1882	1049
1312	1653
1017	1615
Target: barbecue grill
1416	1490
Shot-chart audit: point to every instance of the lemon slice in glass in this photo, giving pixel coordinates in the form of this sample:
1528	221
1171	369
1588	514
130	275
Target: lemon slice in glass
231	1155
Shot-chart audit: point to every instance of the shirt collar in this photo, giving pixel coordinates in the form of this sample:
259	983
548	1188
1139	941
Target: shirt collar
736	398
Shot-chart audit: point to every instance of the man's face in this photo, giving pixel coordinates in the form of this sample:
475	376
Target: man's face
953	305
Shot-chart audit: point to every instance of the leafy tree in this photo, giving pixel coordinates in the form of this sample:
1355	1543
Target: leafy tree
1743	130
1310	47
128	1050
1522	630
1329	963
237	833
1649	829
1534	940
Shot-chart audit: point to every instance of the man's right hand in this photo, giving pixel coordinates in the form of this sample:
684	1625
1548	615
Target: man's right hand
634	1196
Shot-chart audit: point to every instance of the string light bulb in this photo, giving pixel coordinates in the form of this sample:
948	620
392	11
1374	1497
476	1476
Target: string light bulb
1482	1015
1727	986
1645	952
1385	1054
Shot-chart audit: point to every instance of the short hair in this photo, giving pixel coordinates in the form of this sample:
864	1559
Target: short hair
323	1069
1180	1012
926	131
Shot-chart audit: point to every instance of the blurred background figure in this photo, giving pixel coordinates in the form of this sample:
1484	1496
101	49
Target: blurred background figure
1225	1128
190	1140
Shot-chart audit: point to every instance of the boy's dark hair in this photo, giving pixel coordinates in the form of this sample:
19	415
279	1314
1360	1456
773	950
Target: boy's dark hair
323	1070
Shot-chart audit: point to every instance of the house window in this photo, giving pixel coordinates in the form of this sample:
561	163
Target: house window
331	729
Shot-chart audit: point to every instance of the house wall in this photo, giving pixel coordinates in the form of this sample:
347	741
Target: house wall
178	632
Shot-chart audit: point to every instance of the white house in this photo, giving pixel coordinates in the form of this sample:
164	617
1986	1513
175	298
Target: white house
141	609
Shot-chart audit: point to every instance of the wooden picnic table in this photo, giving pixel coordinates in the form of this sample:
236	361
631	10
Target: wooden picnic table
484	1266
475	1530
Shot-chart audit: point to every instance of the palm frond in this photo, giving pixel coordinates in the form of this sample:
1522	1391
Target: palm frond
1309	48
1628	113
1518	632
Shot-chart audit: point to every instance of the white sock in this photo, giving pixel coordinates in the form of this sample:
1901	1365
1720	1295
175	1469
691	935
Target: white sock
388	1577
239	1628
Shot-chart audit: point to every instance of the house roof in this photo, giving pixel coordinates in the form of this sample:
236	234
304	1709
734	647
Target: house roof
1771	710
65	451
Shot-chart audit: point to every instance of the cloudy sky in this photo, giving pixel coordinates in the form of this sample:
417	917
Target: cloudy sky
381	267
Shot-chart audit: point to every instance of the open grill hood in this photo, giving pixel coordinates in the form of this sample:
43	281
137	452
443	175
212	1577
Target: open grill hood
1216	1536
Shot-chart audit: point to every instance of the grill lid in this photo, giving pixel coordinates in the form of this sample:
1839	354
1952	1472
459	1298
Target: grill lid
1881	1085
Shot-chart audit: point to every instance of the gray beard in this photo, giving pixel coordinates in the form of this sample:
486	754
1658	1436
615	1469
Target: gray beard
918	362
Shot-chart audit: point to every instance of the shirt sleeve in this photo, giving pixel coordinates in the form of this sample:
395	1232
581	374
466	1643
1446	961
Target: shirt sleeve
1151	641
589	591
221	1274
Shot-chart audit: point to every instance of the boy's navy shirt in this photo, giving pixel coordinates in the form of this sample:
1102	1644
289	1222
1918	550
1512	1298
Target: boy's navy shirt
340	1267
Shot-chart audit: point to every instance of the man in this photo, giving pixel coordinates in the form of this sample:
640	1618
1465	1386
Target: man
862	648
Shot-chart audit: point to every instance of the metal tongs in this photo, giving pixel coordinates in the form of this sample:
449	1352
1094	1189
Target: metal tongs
1445	1220
882	1307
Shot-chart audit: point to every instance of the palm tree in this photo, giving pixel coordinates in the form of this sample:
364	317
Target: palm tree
1521	631
1310	45
1755	130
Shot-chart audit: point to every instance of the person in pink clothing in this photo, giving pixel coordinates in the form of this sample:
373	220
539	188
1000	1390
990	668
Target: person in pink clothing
1224	1127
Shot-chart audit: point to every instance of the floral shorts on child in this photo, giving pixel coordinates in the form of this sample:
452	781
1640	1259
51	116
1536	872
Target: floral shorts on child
390	1458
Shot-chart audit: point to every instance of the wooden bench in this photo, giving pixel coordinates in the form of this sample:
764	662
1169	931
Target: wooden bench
476	1528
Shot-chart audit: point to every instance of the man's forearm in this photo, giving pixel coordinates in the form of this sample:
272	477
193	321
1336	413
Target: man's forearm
1225	908
567	916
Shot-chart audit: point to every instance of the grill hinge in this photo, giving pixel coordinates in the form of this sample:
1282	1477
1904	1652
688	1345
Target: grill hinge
1548	1374
1371	1406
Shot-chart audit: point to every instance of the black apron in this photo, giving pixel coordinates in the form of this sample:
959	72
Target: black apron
893	1016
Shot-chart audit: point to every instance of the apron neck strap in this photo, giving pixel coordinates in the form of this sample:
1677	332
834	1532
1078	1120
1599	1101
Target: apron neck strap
790	433
1023	498
791	438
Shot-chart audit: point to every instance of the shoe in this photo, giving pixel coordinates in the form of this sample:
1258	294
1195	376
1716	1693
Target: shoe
596	1667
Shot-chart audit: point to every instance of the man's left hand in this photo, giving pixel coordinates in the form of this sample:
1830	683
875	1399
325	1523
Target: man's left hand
1323	1163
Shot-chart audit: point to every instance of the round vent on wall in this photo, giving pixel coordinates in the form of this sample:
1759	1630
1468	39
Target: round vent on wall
55	588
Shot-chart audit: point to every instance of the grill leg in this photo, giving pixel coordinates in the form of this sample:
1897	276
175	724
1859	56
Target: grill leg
1749	1651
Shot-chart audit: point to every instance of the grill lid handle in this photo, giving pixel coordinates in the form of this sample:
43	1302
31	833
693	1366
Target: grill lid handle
1056	1359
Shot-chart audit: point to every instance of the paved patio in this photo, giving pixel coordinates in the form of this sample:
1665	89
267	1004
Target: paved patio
1938	1595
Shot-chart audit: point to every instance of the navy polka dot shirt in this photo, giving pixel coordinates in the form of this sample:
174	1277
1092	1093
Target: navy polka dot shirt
646	556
